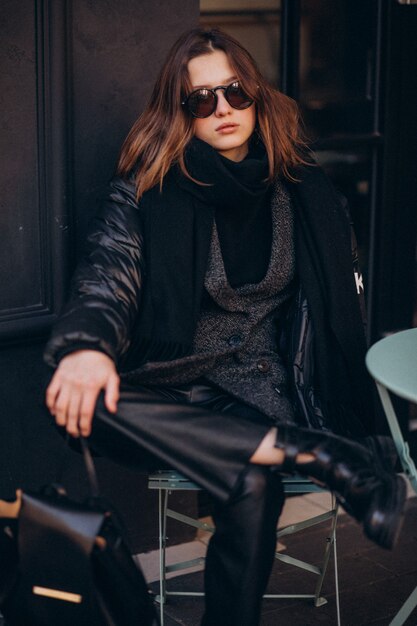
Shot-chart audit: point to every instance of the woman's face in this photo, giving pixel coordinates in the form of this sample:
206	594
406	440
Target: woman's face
227	129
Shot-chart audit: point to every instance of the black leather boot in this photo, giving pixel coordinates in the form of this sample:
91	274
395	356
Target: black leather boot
371	495
383	451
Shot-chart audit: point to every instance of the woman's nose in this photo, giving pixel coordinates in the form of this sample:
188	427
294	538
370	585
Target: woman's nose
223	107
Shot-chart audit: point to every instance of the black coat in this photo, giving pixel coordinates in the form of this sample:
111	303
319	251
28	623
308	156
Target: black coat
137	290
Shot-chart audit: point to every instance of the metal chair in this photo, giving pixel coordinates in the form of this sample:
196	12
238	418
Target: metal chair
166	481
392	362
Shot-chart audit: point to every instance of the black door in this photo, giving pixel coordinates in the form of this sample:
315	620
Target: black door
351	64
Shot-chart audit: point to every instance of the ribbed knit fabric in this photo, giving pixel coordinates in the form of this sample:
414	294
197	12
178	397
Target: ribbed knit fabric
246	319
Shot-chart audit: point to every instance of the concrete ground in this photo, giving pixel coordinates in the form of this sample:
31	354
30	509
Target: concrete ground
373	582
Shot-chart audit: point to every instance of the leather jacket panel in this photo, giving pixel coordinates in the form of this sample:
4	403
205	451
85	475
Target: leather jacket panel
105	290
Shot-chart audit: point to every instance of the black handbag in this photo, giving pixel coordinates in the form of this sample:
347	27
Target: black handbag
63	563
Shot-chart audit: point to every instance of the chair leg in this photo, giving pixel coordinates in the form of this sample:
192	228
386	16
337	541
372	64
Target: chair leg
336	578
405	610
318	599
332	543
162	510
331	540
320	571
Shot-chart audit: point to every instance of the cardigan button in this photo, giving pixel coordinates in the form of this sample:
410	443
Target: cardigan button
263	366
234	341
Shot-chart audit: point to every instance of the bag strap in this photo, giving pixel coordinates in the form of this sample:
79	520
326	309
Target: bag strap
90	468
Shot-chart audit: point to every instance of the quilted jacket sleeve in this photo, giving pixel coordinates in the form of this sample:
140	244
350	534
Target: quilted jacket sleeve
105	289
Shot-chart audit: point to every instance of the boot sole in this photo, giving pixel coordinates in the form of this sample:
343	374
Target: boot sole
384	521
384	452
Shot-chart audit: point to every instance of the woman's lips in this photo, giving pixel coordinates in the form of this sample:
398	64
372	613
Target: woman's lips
225	129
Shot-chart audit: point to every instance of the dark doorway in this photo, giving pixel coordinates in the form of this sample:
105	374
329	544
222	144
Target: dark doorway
351	65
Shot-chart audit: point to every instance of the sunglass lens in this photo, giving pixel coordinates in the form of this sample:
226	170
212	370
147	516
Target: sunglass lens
236	97
201	103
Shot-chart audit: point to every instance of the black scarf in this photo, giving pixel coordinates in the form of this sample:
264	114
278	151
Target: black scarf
240	195
227	183
324	264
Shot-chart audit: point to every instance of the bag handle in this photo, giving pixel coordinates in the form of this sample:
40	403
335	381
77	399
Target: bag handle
90	468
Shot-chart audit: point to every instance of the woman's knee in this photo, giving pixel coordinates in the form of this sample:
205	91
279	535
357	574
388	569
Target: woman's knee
258	481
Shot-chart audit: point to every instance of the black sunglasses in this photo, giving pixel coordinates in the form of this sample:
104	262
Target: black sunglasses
203	102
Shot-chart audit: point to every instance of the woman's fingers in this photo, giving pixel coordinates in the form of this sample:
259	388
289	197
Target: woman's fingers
111	395
72	393
86	412
61	404
52	392
73	413
89	400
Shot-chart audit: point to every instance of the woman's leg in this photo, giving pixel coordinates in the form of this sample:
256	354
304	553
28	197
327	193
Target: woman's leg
241	553
373	495
189	429
212	443
268	454
210	439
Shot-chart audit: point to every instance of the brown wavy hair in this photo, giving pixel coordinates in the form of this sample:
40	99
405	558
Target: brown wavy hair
160	135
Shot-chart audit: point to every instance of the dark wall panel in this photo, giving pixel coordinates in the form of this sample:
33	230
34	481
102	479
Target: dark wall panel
33	176
19	252
117	50
74	74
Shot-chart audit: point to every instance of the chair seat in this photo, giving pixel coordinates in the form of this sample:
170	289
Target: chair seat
173	480
167	480
170	479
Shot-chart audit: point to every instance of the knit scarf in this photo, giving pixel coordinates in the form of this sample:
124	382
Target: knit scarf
227	183
240	195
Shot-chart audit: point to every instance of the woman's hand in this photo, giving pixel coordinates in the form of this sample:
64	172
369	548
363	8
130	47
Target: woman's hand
72	393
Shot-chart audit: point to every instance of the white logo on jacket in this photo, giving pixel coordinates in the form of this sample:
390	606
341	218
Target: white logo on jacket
359	282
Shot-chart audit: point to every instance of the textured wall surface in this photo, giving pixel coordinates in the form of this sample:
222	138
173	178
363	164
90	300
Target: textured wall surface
117	50
74	76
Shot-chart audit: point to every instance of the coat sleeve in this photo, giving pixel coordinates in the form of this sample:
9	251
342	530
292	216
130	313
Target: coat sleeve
358	276
105	289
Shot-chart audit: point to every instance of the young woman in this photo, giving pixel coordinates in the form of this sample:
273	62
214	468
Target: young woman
217	285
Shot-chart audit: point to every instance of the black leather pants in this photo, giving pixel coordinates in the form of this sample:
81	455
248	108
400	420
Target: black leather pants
241	552
209	436
198	430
